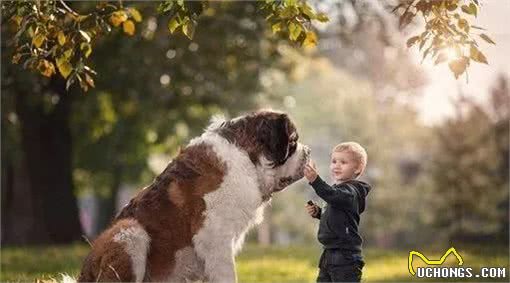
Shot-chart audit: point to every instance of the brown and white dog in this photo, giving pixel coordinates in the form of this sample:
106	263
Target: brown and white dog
190	222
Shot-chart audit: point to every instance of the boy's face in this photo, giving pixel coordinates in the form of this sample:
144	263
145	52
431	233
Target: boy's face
343	166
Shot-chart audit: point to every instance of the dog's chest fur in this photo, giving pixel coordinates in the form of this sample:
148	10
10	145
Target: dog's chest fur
230	210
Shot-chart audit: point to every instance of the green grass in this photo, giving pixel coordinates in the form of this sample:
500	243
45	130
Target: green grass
254	263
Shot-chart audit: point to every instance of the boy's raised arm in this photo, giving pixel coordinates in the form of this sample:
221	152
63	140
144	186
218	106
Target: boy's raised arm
339	198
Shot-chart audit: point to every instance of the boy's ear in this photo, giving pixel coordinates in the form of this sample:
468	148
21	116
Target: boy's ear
359	169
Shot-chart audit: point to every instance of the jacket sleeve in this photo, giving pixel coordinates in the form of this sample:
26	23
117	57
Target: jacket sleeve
335	197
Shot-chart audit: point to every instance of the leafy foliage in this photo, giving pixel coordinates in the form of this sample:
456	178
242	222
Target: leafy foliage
470	167
50	36
448	36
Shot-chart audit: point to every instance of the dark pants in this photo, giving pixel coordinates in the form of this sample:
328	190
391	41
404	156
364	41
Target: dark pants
339	266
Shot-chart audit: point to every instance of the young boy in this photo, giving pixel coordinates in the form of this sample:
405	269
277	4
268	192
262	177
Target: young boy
341	260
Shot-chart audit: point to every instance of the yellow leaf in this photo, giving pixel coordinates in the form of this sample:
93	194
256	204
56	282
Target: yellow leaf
61	38
307	10
46	68
276	27
173	24
118	18
294	31
86	48
463	24
68	53
135	14
38	40
310	40
128	27
321	17
477	56
188	28
17	19
64	67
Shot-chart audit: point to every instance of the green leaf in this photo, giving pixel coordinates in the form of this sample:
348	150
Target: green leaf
173	24
188	28
86	48
321	17
68	53
294	31
411	41
276	27
307	10
487	38
289	12
135	14
471	9
64	67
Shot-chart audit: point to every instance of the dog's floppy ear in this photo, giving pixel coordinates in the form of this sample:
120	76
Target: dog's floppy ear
273	134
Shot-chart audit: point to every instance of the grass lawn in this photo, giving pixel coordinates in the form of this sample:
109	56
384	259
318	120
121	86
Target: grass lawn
255	264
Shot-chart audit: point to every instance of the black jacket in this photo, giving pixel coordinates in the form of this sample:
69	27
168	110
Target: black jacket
339	219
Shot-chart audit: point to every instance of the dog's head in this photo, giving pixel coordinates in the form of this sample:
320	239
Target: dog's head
271	140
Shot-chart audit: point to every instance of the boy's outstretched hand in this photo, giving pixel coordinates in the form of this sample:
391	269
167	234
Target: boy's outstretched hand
310	171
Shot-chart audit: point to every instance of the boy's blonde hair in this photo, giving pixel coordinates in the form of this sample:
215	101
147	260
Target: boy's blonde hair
359	153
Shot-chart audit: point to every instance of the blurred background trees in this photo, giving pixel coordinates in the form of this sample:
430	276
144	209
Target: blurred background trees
155	93
71	159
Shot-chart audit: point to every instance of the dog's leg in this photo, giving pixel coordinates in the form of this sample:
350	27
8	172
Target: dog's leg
218	257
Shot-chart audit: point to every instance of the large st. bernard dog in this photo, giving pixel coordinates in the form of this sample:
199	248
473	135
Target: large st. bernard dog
190	222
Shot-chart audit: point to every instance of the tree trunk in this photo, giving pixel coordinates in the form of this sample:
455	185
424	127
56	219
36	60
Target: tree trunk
108	206
46	149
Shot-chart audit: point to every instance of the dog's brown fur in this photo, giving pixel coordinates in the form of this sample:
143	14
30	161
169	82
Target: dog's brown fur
169	223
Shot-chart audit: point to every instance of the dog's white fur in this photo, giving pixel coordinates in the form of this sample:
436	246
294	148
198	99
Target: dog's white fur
136	243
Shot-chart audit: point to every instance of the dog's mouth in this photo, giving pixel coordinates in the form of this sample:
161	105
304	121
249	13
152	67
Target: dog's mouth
284	182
